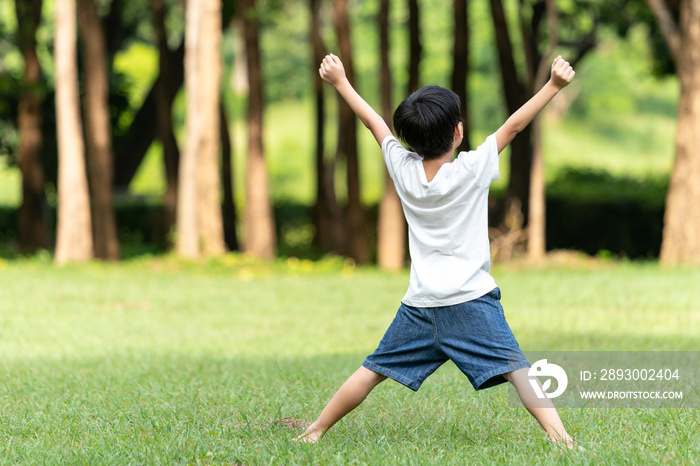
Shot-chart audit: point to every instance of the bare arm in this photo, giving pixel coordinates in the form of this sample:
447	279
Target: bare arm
333	72
562	74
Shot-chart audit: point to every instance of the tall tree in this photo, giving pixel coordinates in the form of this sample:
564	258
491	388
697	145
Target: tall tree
164	119
209	215
460	65
32	228
515	93
199	222
322	217
681	241
539	70
187	242
229	204
98	131
260	238
74	231
347	145
391	226
533	18
327	213
415	49
228	208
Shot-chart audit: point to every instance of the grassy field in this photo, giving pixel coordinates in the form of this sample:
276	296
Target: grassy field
159	361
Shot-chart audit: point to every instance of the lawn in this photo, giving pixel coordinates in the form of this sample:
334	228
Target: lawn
160	361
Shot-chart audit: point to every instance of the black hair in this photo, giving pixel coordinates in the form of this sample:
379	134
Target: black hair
426	121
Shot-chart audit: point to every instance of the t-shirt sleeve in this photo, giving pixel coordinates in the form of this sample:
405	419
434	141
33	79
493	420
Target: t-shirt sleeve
482	162
392	150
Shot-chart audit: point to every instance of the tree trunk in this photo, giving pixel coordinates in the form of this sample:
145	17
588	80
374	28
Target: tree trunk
460	67
328	217
163	103
115	32
187	242
209	221
260	237
74	231
539	70
347	145
536	231
200	229
515	96
322	220
98	131
681	233
391	226
415	47
681	240
32	213
229	205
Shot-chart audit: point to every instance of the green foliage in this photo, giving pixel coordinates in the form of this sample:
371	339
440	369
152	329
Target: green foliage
620	121
167	361
590	185
287	54
623	67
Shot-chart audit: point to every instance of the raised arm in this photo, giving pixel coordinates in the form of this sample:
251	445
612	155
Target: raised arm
561	76
333	72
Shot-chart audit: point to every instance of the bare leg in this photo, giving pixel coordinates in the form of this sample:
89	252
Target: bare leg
541	409
348	397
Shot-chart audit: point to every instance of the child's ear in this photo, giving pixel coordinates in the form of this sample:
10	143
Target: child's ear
459	131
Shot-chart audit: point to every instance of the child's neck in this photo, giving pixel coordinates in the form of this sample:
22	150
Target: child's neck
432	166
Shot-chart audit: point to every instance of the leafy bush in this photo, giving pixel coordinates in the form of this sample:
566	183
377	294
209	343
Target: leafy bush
593	211
591	185
587	210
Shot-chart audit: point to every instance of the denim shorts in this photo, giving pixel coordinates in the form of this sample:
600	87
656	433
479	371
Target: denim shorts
474	335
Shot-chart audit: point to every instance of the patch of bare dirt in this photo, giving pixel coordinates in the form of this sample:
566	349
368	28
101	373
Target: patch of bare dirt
291	423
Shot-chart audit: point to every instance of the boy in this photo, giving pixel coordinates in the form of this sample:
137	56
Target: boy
452	307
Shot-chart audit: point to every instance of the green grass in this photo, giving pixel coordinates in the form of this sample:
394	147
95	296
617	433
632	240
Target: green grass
10	184
160	361
636	146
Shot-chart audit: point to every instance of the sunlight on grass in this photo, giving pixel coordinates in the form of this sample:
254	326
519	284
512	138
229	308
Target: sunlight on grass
640	146
10	184
613	309
149	179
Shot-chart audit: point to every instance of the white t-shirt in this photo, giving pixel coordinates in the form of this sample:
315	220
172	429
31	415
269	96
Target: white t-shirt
447	223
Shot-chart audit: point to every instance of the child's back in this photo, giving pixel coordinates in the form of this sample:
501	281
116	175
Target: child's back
447	223
452	308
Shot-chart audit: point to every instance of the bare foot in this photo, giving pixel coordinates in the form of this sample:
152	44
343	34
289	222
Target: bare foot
312	435
564	442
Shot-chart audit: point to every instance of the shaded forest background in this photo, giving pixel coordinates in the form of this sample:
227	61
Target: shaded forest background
608	141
